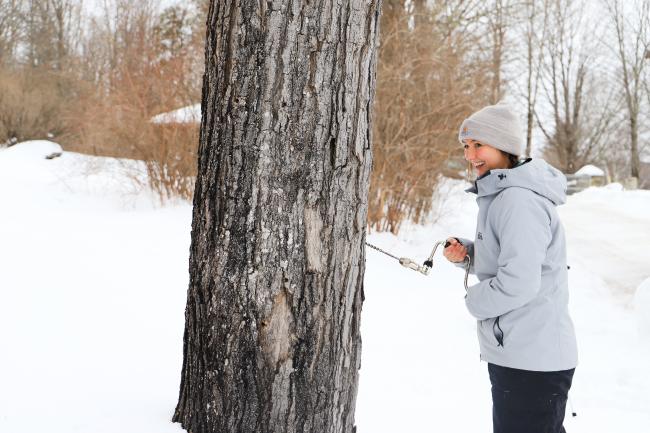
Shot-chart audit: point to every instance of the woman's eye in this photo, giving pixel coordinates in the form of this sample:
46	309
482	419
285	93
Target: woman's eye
478	144
465	146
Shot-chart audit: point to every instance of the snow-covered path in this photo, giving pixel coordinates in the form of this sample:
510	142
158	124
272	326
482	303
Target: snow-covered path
93	279
608	230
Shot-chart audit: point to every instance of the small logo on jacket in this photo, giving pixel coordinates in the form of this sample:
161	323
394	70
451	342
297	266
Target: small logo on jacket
479	236
502	176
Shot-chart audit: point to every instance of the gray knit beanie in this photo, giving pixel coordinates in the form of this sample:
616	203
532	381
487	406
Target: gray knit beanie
496	125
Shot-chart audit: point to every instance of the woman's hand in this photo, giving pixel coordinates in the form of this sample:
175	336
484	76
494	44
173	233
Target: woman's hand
455	252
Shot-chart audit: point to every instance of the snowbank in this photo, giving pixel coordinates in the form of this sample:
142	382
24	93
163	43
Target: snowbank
642	308
28	151
71	180
614	186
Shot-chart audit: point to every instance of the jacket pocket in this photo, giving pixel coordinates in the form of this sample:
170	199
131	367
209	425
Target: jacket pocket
497	332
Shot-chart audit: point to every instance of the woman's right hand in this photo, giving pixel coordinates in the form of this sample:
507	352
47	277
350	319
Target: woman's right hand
455	252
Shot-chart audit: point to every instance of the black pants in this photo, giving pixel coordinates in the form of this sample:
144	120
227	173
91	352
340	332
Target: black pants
528	401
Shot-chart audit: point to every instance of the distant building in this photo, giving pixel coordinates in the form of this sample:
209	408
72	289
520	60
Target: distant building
587	176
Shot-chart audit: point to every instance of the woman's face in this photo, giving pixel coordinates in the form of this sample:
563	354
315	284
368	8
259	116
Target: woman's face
484	157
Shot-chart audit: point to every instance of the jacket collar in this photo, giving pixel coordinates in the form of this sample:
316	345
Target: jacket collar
489	182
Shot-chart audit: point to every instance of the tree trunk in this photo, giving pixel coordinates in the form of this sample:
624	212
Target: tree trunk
277	258
529	130
634	144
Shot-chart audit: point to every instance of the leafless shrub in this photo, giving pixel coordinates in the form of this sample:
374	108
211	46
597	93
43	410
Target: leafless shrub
31	102
428	80
119	125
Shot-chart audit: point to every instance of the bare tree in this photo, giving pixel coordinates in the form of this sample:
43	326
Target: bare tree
576	132
130	39
632	41
277	257
501	17
52	29
172	31
431	74
10	30
128	29
118	41
535	33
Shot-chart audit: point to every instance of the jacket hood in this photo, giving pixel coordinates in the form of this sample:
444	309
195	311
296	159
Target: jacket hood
534	174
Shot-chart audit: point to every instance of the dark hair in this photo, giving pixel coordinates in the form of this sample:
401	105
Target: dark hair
512	159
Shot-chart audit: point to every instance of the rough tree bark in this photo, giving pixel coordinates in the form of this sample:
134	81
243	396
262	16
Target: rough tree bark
272	338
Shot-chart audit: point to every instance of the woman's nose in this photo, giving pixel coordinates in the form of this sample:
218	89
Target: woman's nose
469	153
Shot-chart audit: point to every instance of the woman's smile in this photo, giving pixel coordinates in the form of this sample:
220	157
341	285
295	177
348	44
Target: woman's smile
484	157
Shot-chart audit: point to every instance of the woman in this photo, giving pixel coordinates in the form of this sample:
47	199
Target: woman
519	256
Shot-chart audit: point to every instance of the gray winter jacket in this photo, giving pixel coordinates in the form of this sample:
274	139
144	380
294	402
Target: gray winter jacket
519	257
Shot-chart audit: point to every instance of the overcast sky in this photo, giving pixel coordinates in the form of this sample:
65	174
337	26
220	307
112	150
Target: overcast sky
95	6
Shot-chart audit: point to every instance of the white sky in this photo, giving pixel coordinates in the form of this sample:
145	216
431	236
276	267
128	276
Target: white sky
95	6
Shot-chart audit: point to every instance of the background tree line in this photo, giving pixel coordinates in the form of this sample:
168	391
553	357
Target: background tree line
91	79
576	70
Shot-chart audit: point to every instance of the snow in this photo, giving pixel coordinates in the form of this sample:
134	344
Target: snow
642	308
590	170
30	151
93	286
189	114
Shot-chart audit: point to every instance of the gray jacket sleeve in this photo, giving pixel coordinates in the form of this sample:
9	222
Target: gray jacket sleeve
469	245
522	225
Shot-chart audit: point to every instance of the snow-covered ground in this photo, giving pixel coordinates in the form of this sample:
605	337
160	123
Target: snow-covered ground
93	278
